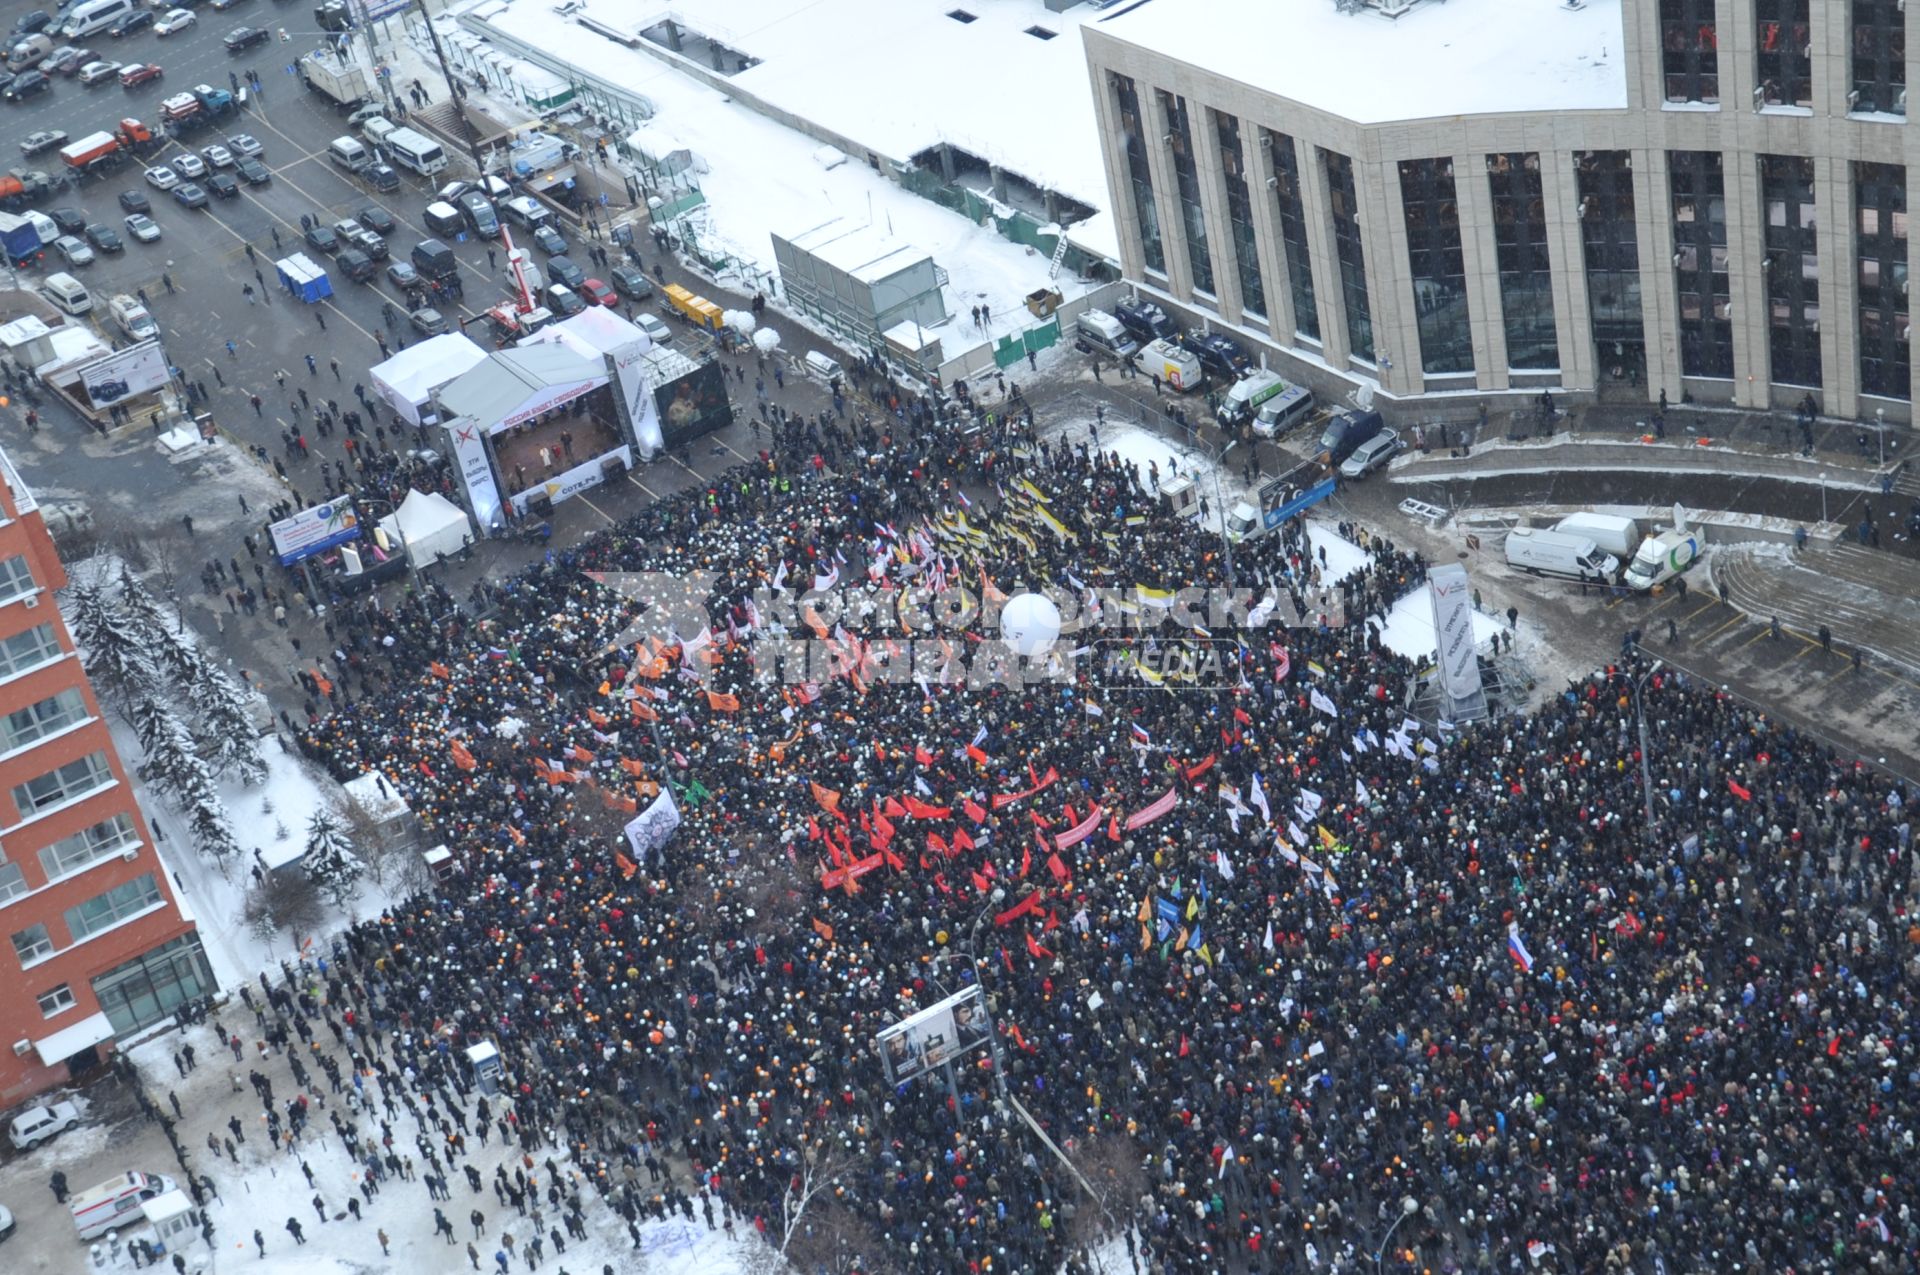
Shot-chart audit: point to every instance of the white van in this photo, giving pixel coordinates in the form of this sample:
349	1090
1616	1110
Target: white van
526	212
1173	366
44	226
1245	395
376	129
1098	332
1554	553
1617	535
1291	408
94	15
132	318
67	292
116	1203
349	153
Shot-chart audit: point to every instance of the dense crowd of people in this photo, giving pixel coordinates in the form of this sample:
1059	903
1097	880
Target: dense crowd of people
1293	979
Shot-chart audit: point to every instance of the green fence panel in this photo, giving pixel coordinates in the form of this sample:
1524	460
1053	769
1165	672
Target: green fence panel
1009	350
1046	334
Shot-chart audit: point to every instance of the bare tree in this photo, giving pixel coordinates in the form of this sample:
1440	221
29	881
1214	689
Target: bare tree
1112	1169
388	856
836	1238
286	901
815	1171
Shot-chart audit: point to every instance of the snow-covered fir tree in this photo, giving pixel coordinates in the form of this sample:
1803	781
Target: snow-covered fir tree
330	862
169	759
212	833
116	658
169	648
228	738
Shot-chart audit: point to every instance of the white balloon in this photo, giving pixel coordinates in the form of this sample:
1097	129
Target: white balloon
1029	623
766	340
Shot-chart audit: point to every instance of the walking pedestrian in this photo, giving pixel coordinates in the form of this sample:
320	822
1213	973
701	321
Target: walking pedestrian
260	1241
313	369
294	1229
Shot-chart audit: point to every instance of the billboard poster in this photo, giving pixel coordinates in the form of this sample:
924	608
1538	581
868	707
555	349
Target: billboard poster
936	1035
1453	631
693	405
476	471
314	531
125	373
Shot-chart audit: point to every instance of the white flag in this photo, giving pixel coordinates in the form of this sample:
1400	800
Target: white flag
1224	865
1360	792
1259	798
1226	1159
1321	702
1299	837
1268	941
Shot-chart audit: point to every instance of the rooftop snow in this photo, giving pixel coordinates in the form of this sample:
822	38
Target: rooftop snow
896	77
1467	57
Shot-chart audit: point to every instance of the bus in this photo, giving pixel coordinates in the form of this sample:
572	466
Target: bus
414	152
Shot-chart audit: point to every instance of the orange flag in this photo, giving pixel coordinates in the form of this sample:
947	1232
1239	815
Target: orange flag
723	703
461	757
824	930
644	713
597	717
580	754
633	767
829	799
439	670
627	866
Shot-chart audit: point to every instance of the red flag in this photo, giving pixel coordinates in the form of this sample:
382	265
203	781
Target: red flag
976	754
961	841
1053	921
1194	772
921	755
1240	715
893	809
975	811
894	861
1029	904
1026	860
1113	827
1059	869
935	844
883	829
1037	952
829	799
813	828
461	757
921	810
824	930
1185	1045
839	859
981	884
1744	794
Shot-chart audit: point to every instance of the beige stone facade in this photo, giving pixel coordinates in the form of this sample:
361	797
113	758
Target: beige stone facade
1738	128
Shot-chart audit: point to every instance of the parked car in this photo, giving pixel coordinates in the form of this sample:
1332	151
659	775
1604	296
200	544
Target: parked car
71	221
217	155
1371	455
656	328
132	77
143	228
240	39
189	165
255	172
320	238
189	195
222	185
32	84
128	23
243	144
6	1222
105	238
377	219
160	177
176	20
598	293
564	271
402	275
98	73
135	201
74	249
36	1124
428	321
44	140
549	240
631	282
32	24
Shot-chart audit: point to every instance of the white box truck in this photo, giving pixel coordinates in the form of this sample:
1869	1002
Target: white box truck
340	80
1555	553
1618	535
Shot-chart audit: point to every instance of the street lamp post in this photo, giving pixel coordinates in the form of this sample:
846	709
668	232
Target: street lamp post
1408	1207
1646	766
993	1030
1823	495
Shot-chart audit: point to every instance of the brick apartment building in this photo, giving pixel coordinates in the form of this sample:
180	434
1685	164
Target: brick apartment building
98	946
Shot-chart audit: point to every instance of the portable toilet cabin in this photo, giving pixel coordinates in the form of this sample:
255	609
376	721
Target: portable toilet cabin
306	281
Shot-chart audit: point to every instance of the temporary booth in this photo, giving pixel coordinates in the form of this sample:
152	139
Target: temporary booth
428	527
306	281
406	381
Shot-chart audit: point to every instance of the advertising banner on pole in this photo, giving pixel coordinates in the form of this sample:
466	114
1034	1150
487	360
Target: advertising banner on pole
125	373
314	531
1453	631
938	1034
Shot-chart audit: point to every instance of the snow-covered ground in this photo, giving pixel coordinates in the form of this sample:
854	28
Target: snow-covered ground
763	178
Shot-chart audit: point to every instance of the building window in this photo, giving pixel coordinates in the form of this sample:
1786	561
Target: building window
1689	51
1139	176
89	846
32	944
1186	184
1791	269
35	722
1700	263
1290	210
1879	57
13	882
1246	257
1437	265
103	911
1784	58
1520	253
1347	246
16	579
53	1002
1880	256
26	651
149	987
1610	248
73	780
